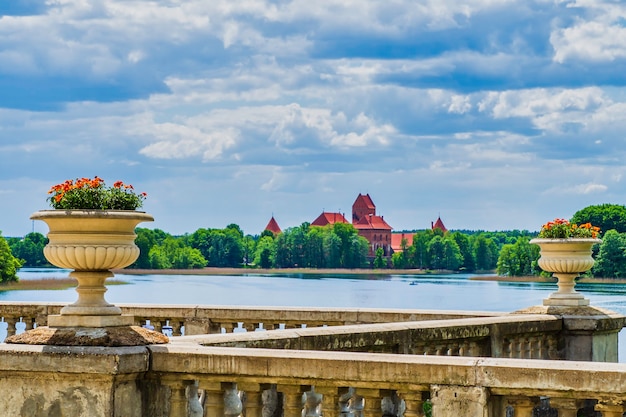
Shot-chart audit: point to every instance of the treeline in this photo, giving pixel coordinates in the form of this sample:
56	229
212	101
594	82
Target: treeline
304	246
340	246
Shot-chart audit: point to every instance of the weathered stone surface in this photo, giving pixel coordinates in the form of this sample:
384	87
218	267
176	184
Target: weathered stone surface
107	336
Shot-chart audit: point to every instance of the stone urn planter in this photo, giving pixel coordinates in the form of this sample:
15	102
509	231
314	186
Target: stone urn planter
91	243
566	259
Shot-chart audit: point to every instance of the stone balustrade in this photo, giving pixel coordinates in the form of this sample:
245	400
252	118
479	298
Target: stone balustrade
193	320
183	379
325	362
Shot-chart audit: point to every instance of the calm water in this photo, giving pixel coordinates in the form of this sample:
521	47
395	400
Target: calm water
449	292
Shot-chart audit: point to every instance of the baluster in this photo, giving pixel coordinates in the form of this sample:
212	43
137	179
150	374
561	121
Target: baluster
29	322
568	407
506	348
269	397
228	327
312	403
391	405
270	326
533	344
10	321
523	406
292	400
158	326
472	349
414	403
372	402
344	401
357	405
232	402
610	408
176	328
330	400
194	406
253	404
179	401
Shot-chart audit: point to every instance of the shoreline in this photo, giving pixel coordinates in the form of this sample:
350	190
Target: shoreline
67	282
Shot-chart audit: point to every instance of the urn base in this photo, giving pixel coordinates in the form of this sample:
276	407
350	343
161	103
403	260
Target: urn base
62	320
569	299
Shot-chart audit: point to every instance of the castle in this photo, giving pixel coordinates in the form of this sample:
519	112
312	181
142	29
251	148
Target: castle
371	226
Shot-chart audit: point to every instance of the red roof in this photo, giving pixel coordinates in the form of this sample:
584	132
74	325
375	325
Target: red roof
439	225
273	226
372	222
329	218
364	200
396	240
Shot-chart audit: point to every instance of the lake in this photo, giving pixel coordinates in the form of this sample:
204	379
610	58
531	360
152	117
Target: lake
444	292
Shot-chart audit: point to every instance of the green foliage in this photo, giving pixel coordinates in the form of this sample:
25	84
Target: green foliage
172	253
265	252
146	240
611	260
379	261
8	263
518	259
605	216
332	246
221	247
29	249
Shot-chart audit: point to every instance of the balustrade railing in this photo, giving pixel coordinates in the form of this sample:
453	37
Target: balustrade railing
260	382
193	320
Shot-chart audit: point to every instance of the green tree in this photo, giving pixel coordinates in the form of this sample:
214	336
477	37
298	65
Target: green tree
611	260
379	261
420	256
605	216
9	264
265	252
436	253
518	259
485	252
468	263
452	254
146	240
173	253
29	249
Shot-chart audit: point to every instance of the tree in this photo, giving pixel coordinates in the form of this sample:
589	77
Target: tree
379	261
518	259
611	260
605	216
436	252
468	263
265	252
452	258
9	264
173	253
29	249
146	240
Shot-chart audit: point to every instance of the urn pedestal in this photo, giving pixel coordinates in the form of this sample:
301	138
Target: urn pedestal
91	243
566	259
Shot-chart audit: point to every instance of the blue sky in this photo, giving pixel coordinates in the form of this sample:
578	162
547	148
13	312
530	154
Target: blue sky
493	114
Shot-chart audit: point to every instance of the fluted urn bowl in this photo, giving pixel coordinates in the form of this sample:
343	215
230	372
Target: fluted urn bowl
91	243
566	259
87	240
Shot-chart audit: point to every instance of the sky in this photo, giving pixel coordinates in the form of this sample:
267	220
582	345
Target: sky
492	114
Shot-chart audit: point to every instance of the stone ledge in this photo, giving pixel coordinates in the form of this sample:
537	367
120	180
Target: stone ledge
83	336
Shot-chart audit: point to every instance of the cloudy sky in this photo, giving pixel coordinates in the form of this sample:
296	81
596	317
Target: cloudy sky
493	114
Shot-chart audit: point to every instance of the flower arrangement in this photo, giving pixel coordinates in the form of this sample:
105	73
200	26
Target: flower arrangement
93	194
563	229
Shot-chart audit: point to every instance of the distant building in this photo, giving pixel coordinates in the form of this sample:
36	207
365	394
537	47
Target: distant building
396	240
372	227
438	225
329	218
273	226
